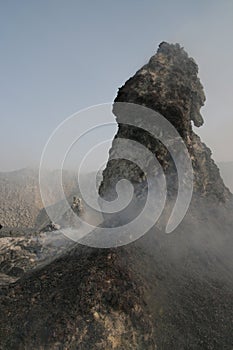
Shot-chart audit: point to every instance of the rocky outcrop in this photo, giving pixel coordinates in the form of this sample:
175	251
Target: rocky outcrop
167	84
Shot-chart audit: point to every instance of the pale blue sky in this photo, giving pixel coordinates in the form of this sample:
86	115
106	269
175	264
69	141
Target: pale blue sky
58	57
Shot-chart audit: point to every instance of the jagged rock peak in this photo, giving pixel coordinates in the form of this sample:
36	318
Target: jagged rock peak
168	84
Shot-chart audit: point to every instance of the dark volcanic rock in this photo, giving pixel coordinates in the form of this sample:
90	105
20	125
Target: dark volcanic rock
22	251
87	299
168	84
173	291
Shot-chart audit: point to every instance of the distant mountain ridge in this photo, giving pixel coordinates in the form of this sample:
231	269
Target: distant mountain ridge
20	199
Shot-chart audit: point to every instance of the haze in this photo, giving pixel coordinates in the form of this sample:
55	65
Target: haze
59	57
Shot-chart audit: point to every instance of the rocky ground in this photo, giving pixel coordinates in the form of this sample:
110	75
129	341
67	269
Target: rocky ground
23	250
83	300
163	291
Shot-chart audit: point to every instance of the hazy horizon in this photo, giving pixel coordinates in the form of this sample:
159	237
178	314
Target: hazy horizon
59	58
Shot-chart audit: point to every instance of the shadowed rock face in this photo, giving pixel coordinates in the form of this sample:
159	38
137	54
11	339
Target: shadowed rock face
168	84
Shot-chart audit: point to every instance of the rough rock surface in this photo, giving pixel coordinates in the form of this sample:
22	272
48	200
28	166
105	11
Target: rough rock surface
167	84
170	291
21	251
86	299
